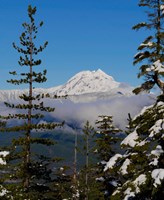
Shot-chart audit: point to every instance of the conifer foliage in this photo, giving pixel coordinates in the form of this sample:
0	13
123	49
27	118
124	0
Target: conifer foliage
105	137
88	133
150	51
88	187
141	167
27	174
105	142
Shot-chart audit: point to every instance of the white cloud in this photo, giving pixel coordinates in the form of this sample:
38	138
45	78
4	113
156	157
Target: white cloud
118	107
79	113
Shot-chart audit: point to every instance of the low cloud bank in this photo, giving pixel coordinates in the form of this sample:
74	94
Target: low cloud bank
76	114
118	107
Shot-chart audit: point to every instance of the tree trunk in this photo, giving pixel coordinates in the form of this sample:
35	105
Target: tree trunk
28	134
87	163
75	197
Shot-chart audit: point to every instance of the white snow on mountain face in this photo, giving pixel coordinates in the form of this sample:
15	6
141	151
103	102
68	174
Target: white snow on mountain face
88	82
10	94
83	83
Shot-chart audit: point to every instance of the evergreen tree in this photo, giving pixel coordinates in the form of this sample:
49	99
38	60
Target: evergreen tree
105	137
88	130
61	185
141	167
105	142
150	51
75	189
88	186
28	175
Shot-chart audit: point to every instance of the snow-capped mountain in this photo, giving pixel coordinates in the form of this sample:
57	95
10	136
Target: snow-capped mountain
92	83
88	82
90	94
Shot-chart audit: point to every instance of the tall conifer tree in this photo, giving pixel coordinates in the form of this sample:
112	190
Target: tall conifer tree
88	186
28	175
141	167
105	141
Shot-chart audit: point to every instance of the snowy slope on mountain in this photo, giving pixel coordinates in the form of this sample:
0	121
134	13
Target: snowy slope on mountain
88	84
91	82
10	94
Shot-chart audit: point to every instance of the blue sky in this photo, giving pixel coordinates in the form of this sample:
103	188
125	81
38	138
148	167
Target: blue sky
82	35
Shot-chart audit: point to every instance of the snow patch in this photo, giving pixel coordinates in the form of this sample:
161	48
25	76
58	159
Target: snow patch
157	66
158	176
162	8
114	183
157	152
124	167
112	161
101	179
128	193
3	191
142	143
139	181
158	126
3	154
149	44
130	139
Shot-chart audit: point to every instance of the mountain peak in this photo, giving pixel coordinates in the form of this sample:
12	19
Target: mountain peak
100	71
88	82
83	83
